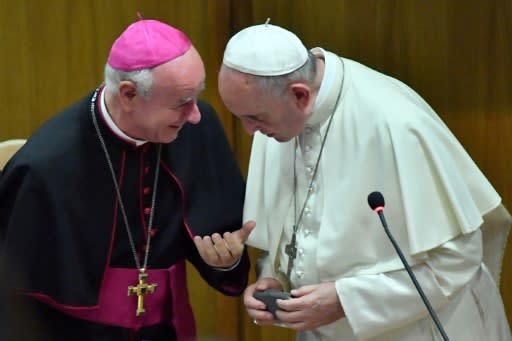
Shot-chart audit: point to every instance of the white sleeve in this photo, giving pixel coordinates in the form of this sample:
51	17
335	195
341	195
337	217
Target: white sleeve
374	304
264	268
263	265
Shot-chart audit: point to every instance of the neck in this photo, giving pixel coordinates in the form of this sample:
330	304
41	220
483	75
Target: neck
113	112
320	69
113	107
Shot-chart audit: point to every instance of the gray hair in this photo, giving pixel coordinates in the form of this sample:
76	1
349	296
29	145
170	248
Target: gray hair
277	85
143	80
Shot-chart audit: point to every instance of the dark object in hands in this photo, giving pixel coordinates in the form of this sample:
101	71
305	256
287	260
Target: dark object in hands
270	296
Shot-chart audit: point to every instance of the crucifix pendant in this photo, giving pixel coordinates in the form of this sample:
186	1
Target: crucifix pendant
291	250
141	290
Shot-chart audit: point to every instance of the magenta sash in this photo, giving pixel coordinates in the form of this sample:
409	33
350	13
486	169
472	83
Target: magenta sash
169	303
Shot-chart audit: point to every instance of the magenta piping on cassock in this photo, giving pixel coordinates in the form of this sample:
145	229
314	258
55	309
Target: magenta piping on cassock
183	198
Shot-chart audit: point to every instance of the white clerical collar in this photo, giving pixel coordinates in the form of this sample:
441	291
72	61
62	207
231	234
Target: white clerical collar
111	124
325	85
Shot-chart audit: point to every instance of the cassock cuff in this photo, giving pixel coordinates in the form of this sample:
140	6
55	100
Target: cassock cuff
231	267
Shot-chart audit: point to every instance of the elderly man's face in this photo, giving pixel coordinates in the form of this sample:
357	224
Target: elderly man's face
172	101
279	118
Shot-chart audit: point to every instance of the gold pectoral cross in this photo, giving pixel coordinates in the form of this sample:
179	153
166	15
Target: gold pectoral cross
141	290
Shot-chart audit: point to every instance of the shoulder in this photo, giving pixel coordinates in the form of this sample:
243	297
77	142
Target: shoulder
379	91
61	135
377	100
66	122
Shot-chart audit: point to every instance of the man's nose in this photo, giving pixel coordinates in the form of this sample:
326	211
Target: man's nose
194	116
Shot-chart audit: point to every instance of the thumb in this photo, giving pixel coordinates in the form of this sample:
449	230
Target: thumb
304	290
246	230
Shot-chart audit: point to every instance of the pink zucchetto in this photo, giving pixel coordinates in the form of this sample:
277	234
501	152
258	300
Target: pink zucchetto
146	44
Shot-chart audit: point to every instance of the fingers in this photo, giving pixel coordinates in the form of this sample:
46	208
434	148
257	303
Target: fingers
261	317
319	305
255	308
252	303
233	244
206	251
304	290
289	317
220	246
268	283
262	284
224	251
214	251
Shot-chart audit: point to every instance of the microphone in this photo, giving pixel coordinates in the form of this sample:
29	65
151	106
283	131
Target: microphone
376	202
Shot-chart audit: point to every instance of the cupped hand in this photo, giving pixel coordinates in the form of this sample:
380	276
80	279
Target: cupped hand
224	251
255	308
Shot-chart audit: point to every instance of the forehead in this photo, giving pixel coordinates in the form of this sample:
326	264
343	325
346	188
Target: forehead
239	92
184	74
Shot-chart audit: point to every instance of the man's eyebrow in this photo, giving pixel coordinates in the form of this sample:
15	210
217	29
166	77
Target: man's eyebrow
256	117
186	99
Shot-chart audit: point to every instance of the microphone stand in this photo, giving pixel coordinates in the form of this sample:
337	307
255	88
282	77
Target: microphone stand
413	278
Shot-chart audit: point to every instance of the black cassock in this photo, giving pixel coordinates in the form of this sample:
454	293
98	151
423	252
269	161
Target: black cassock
61	227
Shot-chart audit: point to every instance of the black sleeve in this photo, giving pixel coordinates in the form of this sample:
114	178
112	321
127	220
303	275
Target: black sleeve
217	191
230	283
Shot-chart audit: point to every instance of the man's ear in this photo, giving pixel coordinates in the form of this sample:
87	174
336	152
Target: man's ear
301	95
127	92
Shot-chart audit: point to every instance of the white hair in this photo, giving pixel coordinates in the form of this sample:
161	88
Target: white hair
143	80
278	85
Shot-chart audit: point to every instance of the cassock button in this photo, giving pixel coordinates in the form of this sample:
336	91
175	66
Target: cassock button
146	170
153	232
309	213
147	190
147	211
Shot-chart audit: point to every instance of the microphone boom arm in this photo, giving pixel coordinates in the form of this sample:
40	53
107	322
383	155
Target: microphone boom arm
413	277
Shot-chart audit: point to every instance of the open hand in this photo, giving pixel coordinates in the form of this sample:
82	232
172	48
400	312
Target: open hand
224	251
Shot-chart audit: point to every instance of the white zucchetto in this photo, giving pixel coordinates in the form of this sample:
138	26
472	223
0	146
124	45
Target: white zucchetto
265	50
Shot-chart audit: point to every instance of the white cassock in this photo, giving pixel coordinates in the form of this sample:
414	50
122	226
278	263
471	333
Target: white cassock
384	137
